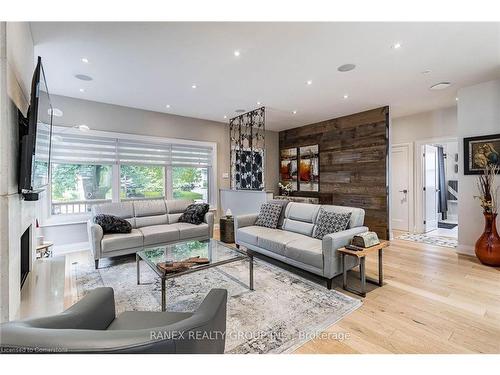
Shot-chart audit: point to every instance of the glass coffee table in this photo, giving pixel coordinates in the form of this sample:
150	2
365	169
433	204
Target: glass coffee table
217	253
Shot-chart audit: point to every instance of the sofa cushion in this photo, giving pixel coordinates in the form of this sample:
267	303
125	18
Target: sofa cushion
187	230
157	234
330	222
177	206
306	250
112	224
269	215
120	241
131	320
194	213
357	214
173	218
249	234
123	210
298	227
150	212
302	212
276	240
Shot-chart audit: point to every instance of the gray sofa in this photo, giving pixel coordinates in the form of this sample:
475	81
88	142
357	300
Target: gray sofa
91	326
292	242
154	222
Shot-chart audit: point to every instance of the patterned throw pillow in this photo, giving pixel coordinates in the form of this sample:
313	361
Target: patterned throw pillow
194	214
330	222
112	224
269	215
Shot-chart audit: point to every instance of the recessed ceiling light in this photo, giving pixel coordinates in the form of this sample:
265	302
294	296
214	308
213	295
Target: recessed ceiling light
309	82
225	116
258	103
83	128
346	96
168	106
194	86
82	90
440	86
236	53
456	98
396	45
83	77
85	60
346	68
294	112
55	112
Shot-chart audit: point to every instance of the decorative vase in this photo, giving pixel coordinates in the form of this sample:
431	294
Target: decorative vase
488	245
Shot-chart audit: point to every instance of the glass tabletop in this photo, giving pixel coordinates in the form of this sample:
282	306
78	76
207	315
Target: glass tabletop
215	251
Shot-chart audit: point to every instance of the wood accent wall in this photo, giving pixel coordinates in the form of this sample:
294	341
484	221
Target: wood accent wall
353	162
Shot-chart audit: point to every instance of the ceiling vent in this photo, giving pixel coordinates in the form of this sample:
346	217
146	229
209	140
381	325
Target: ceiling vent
346	68
83	77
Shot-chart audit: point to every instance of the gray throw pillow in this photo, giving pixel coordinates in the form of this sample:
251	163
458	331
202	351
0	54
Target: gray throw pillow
330	222
283	203
269	215
112	224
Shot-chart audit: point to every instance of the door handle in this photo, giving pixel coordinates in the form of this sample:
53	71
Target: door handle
404	191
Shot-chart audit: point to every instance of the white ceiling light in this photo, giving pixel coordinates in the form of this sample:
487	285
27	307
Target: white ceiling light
225	116
456	98
237	53
83	128
440	86
82	90
85	60
55	112
193	86
396	45
346	96
168	106
258	103
294	112
346	68
309	82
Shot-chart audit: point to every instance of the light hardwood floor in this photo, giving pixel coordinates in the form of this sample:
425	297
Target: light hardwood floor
433	301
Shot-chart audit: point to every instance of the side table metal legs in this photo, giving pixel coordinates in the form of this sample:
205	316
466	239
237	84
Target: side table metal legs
250	268
137	261
163	294
362	274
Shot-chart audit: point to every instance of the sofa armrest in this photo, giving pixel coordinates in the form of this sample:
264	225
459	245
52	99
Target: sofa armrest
95	234
242	221
334	241
209	219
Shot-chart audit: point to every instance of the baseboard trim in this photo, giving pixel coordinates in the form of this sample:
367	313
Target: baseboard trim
466	250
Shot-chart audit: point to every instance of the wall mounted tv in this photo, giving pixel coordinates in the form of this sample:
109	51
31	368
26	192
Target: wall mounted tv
35	135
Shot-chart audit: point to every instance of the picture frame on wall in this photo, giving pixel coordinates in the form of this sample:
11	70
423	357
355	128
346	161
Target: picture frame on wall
479	152
288	167
309	168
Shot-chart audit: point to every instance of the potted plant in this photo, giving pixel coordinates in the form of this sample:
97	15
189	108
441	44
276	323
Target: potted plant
488	245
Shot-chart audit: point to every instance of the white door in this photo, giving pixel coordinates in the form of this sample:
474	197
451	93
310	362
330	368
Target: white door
400	186
430	188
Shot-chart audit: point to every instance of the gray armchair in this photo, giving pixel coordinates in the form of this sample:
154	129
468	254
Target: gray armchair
90	326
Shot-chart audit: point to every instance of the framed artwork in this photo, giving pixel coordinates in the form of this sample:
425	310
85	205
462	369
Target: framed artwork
288	167
481	151
309	168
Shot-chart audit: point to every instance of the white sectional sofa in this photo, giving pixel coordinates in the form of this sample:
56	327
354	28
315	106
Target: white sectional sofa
294	244
154	222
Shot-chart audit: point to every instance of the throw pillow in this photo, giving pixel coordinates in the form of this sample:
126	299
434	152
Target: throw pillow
269	215
112	224
283	203
194	214
330	222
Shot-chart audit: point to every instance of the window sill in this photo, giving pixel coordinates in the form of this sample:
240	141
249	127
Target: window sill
66	220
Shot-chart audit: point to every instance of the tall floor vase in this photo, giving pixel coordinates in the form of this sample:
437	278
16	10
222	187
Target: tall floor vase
488	245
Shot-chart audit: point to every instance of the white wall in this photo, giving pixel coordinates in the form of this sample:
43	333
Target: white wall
108	117
478	114
16	215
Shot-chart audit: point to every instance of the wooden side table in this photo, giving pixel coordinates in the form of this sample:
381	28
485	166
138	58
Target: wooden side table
226	229
361	255
43	250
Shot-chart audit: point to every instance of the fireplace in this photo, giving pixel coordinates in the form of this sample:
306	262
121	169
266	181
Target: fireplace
25	254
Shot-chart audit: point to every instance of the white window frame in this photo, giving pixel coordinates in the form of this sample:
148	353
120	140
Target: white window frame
49	219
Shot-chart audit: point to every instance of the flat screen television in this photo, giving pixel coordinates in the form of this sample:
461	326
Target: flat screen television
35	134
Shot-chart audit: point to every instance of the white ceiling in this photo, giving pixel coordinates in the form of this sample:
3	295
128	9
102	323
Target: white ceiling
149	65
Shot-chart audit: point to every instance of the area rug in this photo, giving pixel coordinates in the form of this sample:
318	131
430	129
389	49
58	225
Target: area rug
283	312
430	240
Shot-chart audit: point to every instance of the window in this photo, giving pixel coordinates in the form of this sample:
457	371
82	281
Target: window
142	181
190	183
75	187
